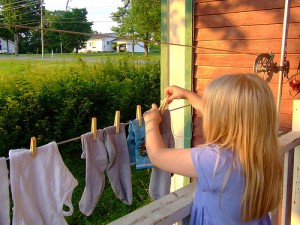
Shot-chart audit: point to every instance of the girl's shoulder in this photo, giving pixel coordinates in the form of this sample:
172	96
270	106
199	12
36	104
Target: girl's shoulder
213	158
211	150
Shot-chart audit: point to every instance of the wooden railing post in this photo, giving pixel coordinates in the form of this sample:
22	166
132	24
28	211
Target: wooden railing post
295	204
287	188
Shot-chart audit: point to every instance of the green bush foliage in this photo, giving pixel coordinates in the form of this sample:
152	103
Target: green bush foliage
56	101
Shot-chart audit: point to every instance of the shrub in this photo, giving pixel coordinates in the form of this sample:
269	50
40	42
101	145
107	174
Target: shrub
57	101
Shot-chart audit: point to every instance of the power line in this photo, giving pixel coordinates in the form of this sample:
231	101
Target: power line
17	7
71	20
14	3
42	32
52	20
31	11
65	22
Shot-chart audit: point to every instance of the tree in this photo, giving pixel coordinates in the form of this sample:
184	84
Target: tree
20	12
30	41
126	24
139	19
74	20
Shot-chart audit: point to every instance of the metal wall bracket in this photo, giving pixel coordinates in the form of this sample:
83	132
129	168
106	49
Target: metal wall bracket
265	67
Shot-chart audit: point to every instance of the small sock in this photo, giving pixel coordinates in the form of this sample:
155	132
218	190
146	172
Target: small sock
131	144
136	142
96	162
160	180
118	169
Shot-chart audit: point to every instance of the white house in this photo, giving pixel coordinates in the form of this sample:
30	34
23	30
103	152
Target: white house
99	44
126	45
6	46
107	44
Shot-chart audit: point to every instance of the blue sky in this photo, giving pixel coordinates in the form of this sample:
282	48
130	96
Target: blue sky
99	11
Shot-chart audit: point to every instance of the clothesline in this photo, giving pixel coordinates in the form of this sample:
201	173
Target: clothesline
78	138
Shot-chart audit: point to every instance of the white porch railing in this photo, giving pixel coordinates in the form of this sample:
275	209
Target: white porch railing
288	142
177	205
167	210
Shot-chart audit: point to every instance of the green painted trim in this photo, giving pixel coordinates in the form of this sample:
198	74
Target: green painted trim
188	62
188	68
188	59
164	52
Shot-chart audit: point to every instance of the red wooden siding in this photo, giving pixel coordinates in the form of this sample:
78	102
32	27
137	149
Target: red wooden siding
230	34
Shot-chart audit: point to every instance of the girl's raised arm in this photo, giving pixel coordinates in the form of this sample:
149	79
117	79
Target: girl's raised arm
178	161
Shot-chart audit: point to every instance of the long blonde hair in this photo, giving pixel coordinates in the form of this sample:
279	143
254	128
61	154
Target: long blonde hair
239	113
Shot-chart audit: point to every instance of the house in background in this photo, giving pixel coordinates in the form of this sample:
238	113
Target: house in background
6	46
111	43
99	44
127	45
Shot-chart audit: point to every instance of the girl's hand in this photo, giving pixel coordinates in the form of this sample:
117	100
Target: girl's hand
175	92
152	115
177	161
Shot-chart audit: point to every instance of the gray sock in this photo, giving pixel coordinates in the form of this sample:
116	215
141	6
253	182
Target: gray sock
118	169
96	162
160	180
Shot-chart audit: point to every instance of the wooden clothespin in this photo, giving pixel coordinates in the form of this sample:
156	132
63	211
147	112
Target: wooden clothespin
139	114
117	122
33	147
94	128
163	106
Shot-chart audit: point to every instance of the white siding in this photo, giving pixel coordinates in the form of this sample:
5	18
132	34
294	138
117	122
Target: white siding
3	45
138	47
98	45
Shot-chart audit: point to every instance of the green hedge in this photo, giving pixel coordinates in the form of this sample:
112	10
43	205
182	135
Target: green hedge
56	100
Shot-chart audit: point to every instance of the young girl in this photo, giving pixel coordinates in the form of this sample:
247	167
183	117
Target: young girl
238	169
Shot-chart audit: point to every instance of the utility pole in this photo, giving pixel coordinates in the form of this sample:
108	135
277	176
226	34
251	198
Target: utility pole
42	31
61	47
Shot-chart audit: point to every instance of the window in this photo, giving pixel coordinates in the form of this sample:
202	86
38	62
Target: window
107	42
94	44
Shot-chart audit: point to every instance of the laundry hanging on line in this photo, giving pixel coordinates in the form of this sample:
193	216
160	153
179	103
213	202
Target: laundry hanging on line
158	178
40	186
